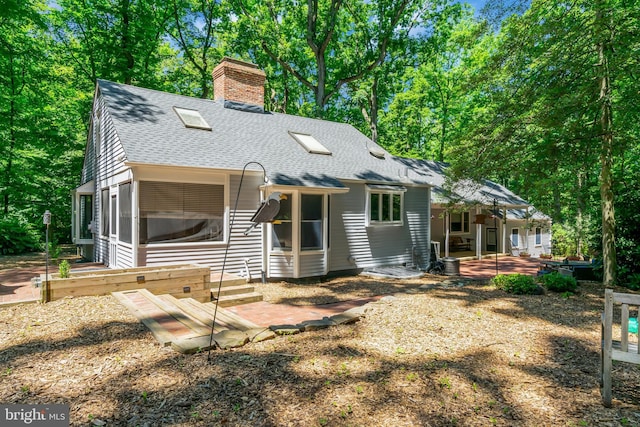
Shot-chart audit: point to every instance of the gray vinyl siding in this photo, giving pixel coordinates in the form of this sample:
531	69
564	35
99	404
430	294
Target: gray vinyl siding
379	245
241	247
89	165
417	217
311	264
281	265
101	248
106	163
125	256
110	159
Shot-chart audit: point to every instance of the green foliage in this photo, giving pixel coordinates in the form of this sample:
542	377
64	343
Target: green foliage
557	282
519	284
628	228
64	269
17	235
565	240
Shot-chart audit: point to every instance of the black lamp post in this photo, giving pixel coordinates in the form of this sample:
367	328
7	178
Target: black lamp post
46	219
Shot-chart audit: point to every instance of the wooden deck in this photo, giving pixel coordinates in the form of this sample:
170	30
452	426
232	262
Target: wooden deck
184	324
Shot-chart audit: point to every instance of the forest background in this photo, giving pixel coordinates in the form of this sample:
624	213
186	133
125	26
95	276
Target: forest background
540	96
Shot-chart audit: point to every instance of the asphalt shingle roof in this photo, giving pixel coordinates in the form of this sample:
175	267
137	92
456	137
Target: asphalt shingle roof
465	191
152	133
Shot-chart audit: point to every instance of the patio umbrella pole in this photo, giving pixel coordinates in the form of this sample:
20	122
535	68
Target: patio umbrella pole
226	250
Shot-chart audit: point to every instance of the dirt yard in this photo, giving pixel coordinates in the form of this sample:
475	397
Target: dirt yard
437	356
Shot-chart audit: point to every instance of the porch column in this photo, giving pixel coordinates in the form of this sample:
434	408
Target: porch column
504	231
526	229
446	233
478	235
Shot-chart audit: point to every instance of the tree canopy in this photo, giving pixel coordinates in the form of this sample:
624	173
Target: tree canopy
541	96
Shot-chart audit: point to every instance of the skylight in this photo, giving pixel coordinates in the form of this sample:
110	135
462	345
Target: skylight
191	118
376	152
310	143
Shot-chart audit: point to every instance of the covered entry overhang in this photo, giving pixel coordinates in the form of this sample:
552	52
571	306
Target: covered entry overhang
474	230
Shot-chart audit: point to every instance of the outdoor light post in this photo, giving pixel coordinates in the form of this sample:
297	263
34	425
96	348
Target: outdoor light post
46	219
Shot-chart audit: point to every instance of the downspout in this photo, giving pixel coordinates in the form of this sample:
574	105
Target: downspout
135	236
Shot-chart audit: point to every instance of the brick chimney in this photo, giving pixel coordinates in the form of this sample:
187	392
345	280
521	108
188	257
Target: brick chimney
239	85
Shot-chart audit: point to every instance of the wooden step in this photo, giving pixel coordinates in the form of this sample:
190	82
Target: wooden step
239	299
203	314
149	310
233	290
227	317
170	319
228	280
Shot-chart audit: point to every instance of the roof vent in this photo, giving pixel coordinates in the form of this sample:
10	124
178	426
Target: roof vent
310	143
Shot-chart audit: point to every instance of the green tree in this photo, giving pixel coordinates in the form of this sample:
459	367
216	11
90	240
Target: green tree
432	105
40	132
551	94
327	44
200	29
117	40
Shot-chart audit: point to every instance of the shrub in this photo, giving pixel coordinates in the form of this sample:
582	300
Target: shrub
518	284
17	235
557	282
64	269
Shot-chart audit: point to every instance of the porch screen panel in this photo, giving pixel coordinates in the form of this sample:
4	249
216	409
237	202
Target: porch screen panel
124	194
173	212
104	213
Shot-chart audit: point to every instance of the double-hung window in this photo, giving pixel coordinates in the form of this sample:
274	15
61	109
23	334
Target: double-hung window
311	222
282	230
538	236
459	222
385	204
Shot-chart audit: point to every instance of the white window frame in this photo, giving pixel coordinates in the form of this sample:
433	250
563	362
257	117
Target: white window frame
517	233
382	192
225	217
465	220
187	115
291	198
105	213
310	143
77	224
538	236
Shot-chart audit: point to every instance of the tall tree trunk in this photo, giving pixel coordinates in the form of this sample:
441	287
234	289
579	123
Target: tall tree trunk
369	110
606	152
126	45
580	208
